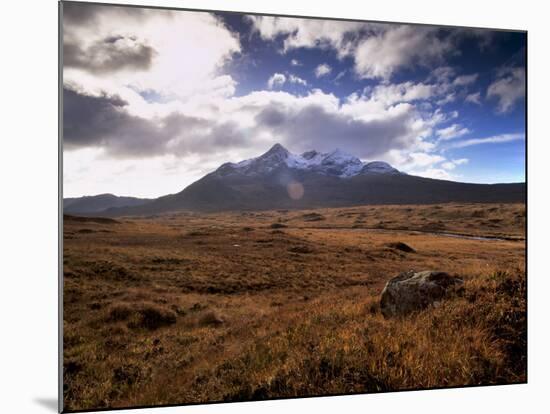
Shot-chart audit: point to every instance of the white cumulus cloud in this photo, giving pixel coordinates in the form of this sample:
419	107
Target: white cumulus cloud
276	80
322	70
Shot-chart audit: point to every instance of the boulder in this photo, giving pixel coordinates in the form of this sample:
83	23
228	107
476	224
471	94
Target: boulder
413	291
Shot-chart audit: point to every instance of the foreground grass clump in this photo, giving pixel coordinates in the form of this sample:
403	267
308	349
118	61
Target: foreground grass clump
148	316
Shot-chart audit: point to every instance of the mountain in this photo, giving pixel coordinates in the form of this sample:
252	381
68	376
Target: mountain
279	179
336	163
94	204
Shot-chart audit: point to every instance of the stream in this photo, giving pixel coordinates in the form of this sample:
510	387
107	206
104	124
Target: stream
432	233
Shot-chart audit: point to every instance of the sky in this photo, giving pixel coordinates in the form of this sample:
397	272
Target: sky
155	99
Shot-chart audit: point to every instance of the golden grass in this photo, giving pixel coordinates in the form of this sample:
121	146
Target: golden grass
221	307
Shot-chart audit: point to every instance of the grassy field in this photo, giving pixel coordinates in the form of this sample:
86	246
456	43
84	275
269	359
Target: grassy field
190	307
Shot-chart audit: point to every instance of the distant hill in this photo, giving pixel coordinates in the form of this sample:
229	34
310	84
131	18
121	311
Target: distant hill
93	204
280	179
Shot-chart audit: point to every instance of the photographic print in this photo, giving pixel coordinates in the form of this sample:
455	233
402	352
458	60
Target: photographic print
259	207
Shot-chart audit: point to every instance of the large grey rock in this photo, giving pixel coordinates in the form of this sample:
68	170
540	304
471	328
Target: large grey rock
412	291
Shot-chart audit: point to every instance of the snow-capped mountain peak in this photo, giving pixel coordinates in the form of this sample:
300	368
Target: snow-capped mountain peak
335	163
276	152
341	163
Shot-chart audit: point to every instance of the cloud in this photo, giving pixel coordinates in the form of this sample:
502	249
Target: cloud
433	166
403	92
174	54
465	80
452	164
508	89
425	164
439	92
320	129
88	15
451	132
380	55
442	74
244	125
340	75
103	121
295	62
451	97
296	79
378	50
420	159
474	98
110	54
84	114
320	120
89	171
306	33
322	70
421	119
496	139
436	89
419	163
436	173
276	80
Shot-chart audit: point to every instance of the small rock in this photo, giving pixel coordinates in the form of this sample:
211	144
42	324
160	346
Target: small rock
412	291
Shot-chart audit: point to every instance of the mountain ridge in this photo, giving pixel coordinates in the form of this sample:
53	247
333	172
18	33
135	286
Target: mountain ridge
100	202
280	179
336	162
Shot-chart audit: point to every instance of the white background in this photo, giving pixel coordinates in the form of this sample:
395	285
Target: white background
28	231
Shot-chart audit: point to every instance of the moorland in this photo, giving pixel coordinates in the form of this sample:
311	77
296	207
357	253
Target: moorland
229	306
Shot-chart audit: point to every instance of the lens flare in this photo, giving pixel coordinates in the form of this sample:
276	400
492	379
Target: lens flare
295	190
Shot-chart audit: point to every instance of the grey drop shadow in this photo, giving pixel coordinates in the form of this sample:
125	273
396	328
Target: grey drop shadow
49	403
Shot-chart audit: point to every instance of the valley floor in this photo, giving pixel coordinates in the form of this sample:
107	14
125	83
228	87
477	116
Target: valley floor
189	307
